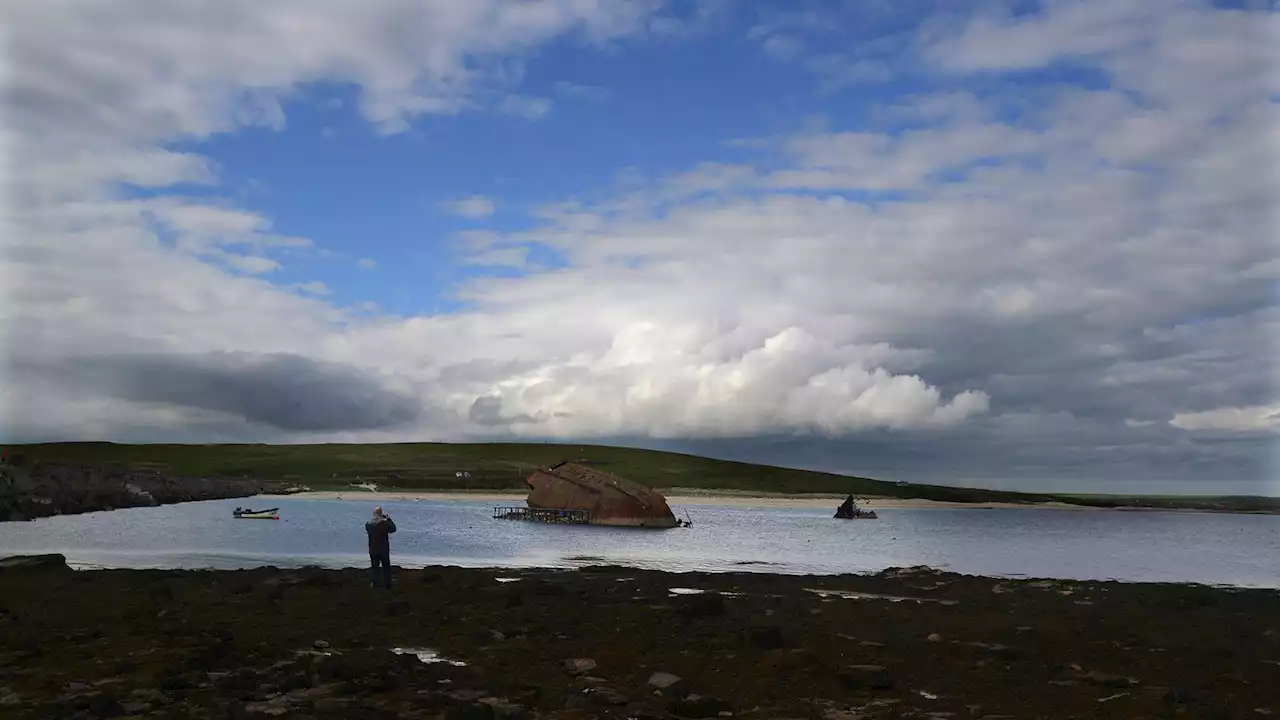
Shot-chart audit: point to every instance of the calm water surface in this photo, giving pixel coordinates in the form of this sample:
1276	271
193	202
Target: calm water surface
1136	546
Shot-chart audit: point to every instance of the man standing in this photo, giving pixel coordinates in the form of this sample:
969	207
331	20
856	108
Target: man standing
379	530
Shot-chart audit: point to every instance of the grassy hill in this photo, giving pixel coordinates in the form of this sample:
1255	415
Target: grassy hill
495	466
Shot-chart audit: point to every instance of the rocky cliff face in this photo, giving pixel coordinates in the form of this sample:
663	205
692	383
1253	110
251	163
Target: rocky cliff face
45	489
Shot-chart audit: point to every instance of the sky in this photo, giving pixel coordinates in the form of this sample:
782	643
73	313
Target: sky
1012	244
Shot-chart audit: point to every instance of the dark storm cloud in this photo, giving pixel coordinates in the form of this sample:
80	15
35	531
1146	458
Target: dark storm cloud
282	391
487	412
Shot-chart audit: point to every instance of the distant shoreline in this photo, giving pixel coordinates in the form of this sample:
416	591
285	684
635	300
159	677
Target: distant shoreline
739	499
720	499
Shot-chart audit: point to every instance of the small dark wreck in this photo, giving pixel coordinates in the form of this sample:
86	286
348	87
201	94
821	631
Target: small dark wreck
849	510
574	494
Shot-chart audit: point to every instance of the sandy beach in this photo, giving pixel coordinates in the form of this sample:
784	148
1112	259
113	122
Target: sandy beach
678	499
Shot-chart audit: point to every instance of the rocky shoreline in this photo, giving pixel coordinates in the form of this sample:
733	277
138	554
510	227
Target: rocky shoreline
614	642
40	489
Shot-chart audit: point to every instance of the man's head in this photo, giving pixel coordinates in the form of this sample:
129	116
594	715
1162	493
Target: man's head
377	511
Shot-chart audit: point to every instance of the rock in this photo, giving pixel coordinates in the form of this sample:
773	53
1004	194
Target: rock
865	677
9	697
1181	697
27	563
1108	680
700	606
934	637
768	637
870	644
668	685
320	645
489	709
696	706
606	696
274	707
136	707
579	666
105	705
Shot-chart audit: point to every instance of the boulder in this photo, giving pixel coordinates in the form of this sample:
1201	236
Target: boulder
865	677
24	563
700	606
579	666
668	685
767	637
696	706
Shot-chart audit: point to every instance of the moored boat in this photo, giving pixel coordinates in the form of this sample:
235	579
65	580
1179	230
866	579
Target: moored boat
247	514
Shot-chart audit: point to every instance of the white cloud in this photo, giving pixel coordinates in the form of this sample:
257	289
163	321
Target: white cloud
474	207
313	288
530	108
1035	288
366	263
1230	419
501	257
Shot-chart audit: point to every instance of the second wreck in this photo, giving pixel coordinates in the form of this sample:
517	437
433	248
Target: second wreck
573	493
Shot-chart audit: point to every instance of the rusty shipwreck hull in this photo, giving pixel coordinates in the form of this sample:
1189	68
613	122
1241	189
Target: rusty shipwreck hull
606	498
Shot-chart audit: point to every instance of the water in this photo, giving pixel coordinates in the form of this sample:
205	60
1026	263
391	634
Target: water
1241	550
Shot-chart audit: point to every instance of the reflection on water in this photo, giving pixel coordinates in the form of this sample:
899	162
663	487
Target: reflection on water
1148	546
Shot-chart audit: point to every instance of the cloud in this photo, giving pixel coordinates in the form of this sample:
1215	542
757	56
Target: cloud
279	391
1062	281
515	257
314	288
366	264
530	108
1264	418
577	90
474	207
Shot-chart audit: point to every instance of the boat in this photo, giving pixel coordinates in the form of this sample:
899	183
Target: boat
247	514
849	510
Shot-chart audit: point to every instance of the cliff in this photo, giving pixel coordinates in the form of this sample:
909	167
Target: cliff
38	489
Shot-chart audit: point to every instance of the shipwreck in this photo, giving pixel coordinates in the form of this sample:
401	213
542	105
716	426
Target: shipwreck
575	494
849	510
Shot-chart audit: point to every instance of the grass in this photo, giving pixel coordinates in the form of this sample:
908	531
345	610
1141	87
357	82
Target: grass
503	466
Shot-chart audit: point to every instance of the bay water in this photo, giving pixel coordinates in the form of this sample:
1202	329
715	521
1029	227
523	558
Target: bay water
1221	549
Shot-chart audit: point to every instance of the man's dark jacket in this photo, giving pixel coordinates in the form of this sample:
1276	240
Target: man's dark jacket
379	530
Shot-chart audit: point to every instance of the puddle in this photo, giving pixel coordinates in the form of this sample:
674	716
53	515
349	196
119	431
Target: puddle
852	595
926	695
507	580
695	591
427	655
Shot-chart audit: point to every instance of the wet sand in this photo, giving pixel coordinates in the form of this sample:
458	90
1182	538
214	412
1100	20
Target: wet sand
577	645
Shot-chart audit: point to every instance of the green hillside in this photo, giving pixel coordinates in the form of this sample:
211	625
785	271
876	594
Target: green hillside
490	466
496	466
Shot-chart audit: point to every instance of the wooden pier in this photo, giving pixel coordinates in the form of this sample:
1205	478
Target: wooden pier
543	515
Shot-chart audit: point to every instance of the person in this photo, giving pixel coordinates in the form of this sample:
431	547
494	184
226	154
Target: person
379	530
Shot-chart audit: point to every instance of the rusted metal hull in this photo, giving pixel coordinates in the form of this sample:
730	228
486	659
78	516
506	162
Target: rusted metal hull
608	499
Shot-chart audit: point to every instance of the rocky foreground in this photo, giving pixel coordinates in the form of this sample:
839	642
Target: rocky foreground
620	643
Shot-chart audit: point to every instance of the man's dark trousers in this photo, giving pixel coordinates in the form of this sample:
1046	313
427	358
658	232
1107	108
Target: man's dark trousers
380	569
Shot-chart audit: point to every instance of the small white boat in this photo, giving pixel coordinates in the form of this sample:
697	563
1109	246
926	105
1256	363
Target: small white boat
247	514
